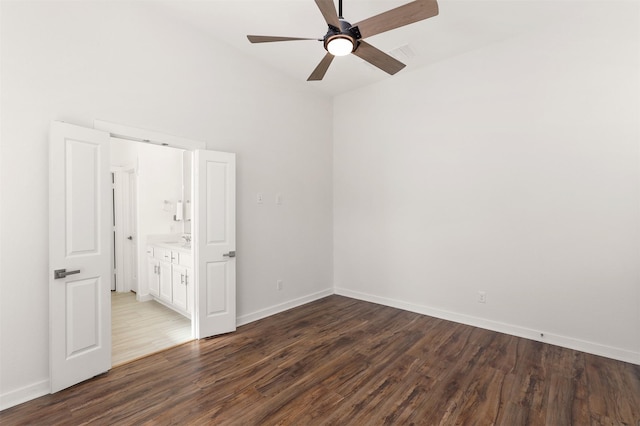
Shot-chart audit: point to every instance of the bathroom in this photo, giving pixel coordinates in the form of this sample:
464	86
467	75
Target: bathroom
152	234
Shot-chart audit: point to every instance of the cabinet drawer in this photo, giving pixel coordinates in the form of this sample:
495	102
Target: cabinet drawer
161	254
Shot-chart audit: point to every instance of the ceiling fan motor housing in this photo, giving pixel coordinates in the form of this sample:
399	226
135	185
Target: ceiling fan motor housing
346	32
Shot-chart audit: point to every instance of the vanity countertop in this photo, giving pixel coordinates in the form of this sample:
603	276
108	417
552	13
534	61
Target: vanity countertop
182	247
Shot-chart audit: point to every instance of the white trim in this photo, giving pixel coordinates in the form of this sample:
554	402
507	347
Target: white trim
145	298
149	136
514	330
276	309
24	394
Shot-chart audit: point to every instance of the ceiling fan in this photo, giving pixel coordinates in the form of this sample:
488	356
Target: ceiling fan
343	38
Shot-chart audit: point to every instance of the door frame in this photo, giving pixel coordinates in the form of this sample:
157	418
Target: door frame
142	135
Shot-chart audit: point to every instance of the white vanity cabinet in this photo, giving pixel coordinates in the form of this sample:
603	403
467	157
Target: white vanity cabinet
170	269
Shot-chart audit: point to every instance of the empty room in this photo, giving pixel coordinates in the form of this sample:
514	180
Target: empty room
320	212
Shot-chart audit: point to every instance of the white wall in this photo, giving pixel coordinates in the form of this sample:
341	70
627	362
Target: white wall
119	62
514	170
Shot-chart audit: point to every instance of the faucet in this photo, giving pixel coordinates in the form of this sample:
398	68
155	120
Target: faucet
187	239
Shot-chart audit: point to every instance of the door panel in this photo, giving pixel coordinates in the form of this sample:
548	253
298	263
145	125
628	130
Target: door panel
82	329
79	240
82	197
217	278
215	242
216	198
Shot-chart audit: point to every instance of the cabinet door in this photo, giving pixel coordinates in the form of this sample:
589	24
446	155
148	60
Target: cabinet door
152	273
165	281
179	278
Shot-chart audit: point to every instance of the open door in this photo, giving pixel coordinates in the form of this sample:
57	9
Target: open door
79	254
215	242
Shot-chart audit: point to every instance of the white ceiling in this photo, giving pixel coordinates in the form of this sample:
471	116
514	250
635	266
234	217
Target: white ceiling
461	26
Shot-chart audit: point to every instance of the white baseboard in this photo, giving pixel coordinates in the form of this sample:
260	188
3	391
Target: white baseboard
24	394
144	297
276	309
558	340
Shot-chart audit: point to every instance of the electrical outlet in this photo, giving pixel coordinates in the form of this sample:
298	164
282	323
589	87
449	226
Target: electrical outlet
482	297
259	198
279	285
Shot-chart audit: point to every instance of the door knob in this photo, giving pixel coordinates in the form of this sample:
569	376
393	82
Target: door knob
230	254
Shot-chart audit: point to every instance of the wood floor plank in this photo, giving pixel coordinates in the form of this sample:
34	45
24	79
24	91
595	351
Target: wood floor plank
342	361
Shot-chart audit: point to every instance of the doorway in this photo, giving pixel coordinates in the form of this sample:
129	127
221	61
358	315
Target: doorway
80	236
150	186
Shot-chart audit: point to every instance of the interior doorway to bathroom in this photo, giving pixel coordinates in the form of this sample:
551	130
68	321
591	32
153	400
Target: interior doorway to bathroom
151	187
80	259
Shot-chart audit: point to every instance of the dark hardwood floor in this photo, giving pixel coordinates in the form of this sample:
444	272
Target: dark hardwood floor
342	361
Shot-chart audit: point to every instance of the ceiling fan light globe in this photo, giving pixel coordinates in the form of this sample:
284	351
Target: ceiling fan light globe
340	46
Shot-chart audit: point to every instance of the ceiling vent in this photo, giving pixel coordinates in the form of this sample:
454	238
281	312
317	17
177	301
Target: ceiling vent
403	53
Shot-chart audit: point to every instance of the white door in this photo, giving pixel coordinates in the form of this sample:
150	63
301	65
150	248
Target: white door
129	265
124	205
124	208
79	243
215	242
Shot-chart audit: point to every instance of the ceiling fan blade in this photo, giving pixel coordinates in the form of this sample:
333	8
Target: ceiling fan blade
398	17
322	68
377	57
267	39
328	10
